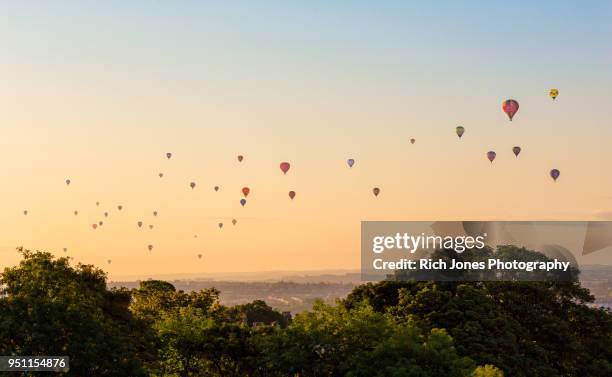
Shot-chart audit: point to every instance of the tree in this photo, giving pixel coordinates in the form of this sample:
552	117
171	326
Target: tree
48	307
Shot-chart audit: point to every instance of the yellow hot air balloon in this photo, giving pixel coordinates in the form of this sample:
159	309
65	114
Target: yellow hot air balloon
553	93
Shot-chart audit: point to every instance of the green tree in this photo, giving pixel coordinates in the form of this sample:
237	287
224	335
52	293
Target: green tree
48	307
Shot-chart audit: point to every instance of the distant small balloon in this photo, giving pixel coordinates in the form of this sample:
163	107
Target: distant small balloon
95	226
234	221
119	207
350	162
460	130
168	155
108	261
555	173
491	156
553	93
151	226
65	249
76	213
192	185
245	191
139	224
516	151
292	194
97	204
25	212
150	247
284	166
216	188
510	107
412	141
376	191
240	158
100	222
220	225
199	256
154	213
68	182
105	214
160	175
243	202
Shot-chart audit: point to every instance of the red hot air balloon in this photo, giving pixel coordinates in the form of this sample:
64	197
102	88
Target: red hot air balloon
240	158
284	166
292	194
376	191
245	191
491	156
510	107
555	173
95	226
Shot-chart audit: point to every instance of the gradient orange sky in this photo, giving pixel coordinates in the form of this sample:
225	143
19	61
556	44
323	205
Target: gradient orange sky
99	93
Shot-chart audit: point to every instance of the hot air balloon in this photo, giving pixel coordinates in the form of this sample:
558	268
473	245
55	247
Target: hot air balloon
220	225
100	222
412	141
192	185
65	249
553	93
245	191
108	261
151	226
150	247
76	213
67	182
139	224
95	226
242	202
168	155
491	156
460	130
350	162
516	151
97	204
25	212
105	214
160	175
240	157
376	191
216	188
284	166
555	173
234	221
119	207
154	213
292	194
199	256
510	107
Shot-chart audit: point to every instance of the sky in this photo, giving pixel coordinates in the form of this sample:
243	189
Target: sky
98	92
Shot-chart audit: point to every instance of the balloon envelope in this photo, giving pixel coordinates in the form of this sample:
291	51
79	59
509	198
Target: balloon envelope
240	158
510	107
412	141
119	207
94	226
553	93
242	202
68	182
216	188
139	224
292	194
376	191
350	162
491	156
516	151
150	247
555	173
460	131
168	155
192	185
234	221
245	191
284	166
220	225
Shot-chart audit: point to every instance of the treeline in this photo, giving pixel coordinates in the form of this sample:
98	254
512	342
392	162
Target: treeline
392	328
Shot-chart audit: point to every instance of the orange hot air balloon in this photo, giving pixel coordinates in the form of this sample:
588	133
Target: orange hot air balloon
284	166
240	158
292	194
376	191
245	191
510	107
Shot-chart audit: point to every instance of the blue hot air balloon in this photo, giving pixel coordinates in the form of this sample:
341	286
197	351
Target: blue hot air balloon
350	162
242	202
